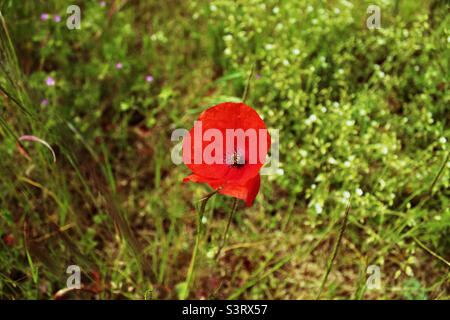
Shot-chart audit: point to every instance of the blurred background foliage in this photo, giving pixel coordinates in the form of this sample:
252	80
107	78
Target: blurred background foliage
363	116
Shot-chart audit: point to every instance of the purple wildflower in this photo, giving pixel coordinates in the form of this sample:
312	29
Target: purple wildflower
50	81
44	16
57	18
44	102
119	65
149	78
103	3
258	76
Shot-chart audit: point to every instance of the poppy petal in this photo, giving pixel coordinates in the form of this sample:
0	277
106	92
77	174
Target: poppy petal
213	183
246	192
253	189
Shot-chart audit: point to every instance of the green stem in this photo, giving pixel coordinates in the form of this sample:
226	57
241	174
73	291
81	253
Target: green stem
233	209
247	87
191	271
335	250
439	174
430	251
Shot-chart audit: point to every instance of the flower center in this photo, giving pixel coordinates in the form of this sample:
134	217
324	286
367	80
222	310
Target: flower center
235	159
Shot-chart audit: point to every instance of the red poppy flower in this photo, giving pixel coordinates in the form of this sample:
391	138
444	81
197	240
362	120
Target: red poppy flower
226	148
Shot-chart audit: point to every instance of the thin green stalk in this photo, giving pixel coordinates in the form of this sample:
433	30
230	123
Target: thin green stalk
335	250
430	251
430	190
191	270
436	179
247	87
230	216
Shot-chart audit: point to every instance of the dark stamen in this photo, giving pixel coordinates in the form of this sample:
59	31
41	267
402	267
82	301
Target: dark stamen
235	160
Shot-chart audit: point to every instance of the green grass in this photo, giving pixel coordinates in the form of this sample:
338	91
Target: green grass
361	113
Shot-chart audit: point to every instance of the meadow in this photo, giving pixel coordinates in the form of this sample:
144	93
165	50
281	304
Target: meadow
361	192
